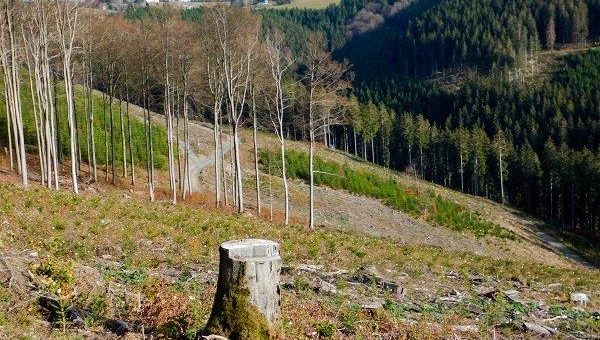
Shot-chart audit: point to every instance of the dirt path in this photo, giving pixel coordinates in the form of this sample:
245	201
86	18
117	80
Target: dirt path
198	163
201	154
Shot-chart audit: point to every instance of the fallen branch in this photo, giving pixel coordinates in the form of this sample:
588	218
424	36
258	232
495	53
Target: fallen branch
327	173
9	270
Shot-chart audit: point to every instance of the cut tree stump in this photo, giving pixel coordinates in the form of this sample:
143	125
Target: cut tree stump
247	301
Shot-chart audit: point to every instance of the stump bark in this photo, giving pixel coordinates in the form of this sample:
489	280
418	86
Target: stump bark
247	302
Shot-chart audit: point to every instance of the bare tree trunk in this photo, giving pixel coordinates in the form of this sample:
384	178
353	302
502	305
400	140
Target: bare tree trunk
123	143
105	135
129	135
256	171
11	68
238	170
503	199
462	181
151	156
112	131
234	196
176	112
270	195
38	123
218	152
355	148
285	182
186	141
86	103
373	150
224	179
8	129
311	171
92	123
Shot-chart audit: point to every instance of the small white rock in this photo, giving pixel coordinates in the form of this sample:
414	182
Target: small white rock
580	297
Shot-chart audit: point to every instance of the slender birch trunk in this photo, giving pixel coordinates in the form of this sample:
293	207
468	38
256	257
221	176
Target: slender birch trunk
255	140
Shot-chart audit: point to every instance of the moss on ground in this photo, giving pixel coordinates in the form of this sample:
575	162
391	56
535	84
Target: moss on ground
234	316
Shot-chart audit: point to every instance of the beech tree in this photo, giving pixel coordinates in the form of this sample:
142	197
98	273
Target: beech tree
280	61
37	32
11	64
186	53
215	84
67	24
237	31
323	79
88	45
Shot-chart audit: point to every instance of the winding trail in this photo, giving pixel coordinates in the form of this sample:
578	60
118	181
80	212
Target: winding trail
202	154
197	163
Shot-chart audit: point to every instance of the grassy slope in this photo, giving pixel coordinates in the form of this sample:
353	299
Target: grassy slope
428	205
137	127
132	246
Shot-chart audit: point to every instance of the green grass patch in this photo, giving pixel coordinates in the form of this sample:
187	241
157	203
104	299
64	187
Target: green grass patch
426	205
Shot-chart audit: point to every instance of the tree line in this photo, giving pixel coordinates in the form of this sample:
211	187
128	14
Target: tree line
222	65
535	147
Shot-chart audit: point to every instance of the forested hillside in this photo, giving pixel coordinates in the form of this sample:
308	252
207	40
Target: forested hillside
496	135
417	38
548	137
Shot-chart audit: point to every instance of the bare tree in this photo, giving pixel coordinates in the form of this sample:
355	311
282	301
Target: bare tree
255	144
324	79
216	87
9	52
66	24
237	31
166	26
37	38
280	60
187	51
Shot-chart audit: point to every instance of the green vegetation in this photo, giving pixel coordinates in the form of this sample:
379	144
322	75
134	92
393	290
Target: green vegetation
235	317
550	140
129	232
101	115
421	205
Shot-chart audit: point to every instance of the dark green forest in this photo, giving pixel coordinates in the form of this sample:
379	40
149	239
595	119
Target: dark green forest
547	134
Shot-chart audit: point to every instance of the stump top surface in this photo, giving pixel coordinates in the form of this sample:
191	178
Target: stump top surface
251	249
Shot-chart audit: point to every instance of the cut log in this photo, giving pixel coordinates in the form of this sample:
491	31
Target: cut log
247	302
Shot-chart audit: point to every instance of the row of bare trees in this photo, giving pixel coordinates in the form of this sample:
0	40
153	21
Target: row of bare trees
225	67
40	36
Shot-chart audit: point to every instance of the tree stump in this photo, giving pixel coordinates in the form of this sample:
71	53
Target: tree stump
246	304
